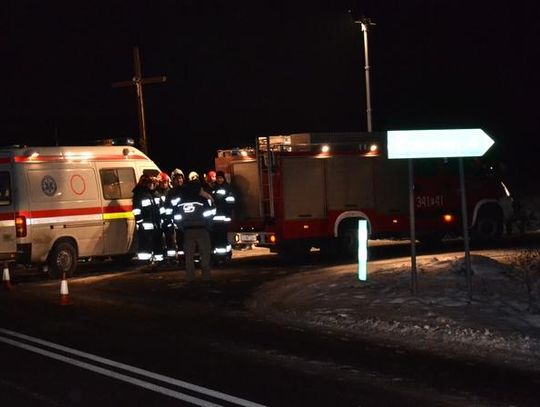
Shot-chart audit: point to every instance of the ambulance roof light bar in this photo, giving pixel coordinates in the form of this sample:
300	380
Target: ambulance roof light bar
121	141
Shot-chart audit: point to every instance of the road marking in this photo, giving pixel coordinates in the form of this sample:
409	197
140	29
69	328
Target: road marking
120	376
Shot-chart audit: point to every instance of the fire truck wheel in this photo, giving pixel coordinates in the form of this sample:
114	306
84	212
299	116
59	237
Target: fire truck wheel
348	240
62	259
488	228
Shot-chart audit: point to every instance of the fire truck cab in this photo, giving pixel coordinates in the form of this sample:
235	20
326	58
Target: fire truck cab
59	204
308	190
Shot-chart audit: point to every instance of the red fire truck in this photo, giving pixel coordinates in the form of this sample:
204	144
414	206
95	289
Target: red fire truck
308	190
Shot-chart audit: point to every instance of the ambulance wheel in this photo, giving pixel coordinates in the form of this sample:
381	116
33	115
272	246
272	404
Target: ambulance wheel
62	259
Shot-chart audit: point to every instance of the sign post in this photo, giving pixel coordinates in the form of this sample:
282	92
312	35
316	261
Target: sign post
414	279
410	144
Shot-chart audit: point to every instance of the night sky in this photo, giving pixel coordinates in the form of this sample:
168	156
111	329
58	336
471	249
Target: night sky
239	69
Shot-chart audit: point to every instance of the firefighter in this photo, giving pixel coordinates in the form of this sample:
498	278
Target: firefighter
209	181
147	218
173	235
224	201
196	212
162	187
194	187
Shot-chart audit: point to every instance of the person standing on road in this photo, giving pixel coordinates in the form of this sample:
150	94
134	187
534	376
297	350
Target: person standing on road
173	234
224	201
162	188
147	219
196	213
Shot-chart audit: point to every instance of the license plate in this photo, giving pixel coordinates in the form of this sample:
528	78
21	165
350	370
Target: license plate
251	238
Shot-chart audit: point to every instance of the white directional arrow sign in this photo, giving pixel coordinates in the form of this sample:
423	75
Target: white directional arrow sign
438	143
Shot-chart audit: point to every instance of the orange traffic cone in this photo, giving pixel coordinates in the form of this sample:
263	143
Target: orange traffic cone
5	278
64	291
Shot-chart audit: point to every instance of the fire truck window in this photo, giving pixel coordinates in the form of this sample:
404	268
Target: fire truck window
5	189
117	183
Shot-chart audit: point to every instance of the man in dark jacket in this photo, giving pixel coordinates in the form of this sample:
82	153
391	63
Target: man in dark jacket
196	214
224	201
173	234
147	218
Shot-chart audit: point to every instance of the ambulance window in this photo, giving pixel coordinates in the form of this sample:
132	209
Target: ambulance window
117	183
151	171
5	189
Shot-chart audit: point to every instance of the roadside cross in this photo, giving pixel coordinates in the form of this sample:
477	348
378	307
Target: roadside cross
138	81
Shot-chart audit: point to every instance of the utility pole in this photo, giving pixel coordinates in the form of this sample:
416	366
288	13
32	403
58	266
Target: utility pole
366	23
138	81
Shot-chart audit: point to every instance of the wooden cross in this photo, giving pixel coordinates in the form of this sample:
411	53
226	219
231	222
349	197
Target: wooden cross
138	81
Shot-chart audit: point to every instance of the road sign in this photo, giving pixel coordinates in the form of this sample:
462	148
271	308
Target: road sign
438	143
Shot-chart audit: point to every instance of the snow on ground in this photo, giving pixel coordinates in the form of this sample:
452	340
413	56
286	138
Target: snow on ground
496	324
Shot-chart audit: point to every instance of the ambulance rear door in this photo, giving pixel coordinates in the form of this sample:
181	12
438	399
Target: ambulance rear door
117	183
8	242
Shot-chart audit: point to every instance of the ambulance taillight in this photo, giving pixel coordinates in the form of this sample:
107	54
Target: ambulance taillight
20	226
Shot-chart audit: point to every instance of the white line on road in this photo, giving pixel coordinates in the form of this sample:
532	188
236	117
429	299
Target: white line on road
119	376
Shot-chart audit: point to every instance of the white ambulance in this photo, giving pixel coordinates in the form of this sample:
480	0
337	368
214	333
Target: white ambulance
59	204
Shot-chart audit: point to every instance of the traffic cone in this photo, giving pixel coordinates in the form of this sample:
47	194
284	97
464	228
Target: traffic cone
5	278
64	291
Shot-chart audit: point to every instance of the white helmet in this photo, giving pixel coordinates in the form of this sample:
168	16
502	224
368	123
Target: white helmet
193	176
176	172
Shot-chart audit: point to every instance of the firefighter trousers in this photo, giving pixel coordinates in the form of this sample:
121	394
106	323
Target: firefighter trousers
197	238
219	235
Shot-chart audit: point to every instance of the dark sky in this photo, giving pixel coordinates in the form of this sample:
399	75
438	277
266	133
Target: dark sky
239	69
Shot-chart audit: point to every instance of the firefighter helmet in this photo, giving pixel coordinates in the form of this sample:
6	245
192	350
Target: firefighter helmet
163	177
193	176
177	173
211	176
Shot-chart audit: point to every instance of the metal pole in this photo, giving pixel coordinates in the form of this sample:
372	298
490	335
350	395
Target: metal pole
414	280
465	228
366	22
143	143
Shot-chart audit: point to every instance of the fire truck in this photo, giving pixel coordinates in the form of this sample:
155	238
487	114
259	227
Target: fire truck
299	191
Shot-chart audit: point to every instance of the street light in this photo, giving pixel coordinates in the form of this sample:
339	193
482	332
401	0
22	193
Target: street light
365	24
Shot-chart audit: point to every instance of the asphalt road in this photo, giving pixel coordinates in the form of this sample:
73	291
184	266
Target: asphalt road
134	337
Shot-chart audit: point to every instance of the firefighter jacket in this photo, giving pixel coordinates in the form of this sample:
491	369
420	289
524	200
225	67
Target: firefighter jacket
146	206
171	208
224	200
161	195
196	214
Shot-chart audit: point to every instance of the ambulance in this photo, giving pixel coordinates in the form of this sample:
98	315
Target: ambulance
62	204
